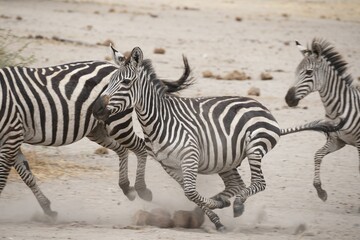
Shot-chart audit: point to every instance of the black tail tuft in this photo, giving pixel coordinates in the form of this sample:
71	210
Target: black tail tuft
183	82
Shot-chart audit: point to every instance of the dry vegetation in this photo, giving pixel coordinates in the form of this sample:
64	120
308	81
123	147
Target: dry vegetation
46	167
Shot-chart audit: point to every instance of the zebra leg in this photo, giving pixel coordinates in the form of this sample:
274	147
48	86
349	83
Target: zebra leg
100	136
5	167
214	218
137	146
23	169
257	182
233	184
332	144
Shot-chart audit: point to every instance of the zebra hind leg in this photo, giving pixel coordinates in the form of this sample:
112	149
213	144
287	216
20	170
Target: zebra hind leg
332	145
257	182
23	169
214	218
233	184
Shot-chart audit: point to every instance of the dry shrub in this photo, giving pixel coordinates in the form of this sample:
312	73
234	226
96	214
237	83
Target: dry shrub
234	75
46	167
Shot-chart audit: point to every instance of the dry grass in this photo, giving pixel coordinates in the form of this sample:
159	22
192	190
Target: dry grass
46	167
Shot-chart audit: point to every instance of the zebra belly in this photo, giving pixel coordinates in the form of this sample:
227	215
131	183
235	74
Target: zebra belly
219	165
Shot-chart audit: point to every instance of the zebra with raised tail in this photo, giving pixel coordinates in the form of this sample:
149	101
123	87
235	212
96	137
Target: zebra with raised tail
324	70
188	136
53	107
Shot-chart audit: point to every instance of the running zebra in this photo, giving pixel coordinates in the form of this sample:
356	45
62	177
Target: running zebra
188	136
324	70
53	107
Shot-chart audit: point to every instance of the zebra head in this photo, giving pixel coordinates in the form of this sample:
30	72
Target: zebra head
119	96
307	74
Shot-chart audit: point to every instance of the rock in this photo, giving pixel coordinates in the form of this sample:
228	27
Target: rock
266	76
207	74
159	51
102	151
236	75
189	219
141	218
160	218
254	91
238	19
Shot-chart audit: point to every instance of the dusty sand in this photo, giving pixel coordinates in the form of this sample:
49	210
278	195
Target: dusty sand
90	204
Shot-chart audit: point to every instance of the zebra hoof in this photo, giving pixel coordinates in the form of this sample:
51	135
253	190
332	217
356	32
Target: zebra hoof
222	201
131	194
238	208
145	194
322	194
52	216
220	227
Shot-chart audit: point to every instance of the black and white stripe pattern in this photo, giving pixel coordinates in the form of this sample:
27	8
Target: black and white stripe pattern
324	70
53	107
188	136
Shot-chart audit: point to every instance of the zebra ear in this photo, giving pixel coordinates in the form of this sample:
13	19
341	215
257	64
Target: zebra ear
136	57
303	50
117	56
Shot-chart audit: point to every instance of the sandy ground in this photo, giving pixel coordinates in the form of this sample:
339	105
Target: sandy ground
90	204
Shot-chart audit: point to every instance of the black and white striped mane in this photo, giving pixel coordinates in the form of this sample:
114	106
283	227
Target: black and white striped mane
333	57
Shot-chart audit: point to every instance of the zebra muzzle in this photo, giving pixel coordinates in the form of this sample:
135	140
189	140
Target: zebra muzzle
290	98
100	110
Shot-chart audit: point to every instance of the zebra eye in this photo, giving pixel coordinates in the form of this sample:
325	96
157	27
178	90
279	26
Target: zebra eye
126	81
309	72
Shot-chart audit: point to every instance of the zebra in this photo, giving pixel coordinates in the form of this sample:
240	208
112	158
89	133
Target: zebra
53	107
188	136
324	70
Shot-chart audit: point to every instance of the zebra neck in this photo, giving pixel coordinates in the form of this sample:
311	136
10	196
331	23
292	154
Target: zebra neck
150	109
333	94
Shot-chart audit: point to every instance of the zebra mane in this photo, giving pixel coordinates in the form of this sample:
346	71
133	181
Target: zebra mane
168	87
334	58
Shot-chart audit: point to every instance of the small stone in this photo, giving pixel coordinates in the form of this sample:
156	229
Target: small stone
141	218
159	51
266	76
238	19
254	91
102	151
207	74
236	75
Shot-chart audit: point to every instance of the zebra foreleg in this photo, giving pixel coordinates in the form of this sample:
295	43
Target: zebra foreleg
138	147
100	136
23	169
333	144
257	182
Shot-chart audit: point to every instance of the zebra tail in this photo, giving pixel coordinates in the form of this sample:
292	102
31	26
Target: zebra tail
319	125
183	82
